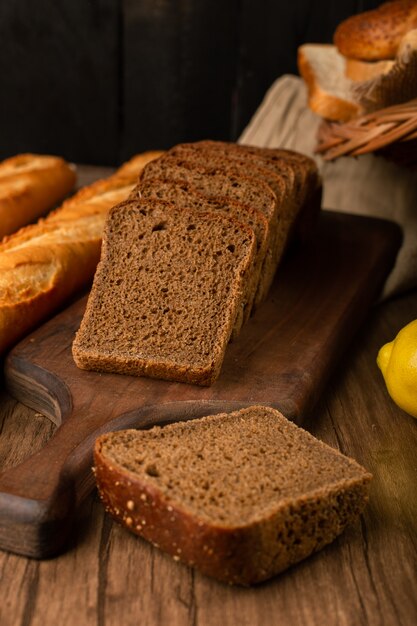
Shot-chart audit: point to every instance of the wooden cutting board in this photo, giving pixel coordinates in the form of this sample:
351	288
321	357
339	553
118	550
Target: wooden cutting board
282	358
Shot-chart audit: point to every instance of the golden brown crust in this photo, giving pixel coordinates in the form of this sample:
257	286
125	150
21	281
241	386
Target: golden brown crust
31	185
44	264
245	552
375	35
323	103
36	279
136	164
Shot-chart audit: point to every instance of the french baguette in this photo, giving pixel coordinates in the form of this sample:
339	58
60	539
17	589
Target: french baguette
44	264
30	186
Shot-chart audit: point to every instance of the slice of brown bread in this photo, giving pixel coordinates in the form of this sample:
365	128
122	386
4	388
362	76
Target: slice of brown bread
213	182
184	195
246	159
311	195
305	168
166	293
283	183
241	496
279	220
307	179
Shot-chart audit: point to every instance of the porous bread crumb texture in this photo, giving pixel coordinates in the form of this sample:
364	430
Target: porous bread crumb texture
184	195
212	183
241	495
227	479
166	293
278	172
239	178
212	177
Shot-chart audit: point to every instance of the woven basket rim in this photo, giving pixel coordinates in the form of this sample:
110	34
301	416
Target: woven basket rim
368	133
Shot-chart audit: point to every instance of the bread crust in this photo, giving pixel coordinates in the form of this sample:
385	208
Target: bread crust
376	35
31	185
240	554
323	103
91	355
44	264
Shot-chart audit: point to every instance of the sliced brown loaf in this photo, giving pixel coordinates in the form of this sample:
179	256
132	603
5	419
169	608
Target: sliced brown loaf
240	496
166	293
234	162
235	154
206	163
283	183
311	187
212	182
307	178
299	171
184	195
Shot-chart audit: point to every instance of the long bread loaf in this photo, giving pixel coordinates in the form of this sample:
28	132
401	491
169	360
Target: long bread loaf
30	186
44	264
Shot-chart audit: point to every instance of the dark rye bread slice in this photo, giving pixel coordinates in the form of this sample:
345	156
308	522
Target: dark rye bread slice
283	183
165	294
240	496
305	168
214	183
311	186
308	181
277	220
235	155
184	195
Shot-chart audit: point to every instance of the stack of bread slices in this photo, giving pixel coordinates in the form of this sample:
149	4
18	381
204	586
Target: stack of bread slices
190	256
372	64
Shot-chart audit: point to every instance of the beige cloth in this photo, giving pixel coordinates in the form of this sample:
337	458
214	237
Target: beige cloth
366	185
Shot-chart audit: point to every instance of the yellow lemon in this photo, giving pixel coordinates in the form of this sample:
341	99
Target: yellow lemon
397	361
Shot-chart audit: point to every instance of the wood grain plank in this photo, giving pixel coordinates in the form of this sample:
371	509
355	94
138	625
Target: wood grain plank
365	578
78	571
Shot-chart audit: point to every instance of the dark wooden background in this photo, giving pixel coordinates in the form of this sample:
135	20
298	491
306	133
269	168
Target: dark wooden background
98	80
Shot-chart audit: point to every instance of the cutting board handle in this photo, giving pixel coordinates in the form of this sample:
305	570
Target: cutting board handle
39	497
42	509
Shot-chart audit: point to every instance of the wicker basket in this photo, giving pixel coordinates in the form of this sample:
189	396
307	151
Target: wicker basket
391	132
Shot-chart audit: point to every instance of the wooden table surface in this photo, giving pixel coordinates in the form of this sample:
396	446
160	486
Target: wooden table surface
366	577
